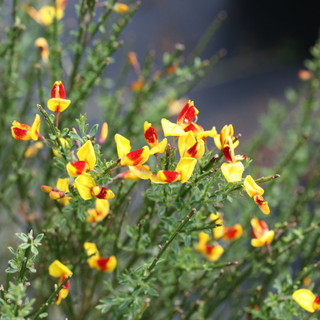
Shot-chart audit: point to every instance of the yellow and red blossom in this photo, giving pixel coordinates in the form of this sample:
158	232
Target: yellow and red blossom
182	173
103	133
120	8
100	211
256	192
189	147
128	157
96	262
46	15
43	46
132	58
137	85
307	300
210	252
152	139
223	138
59	270
261	235
24	132
87	160
59	192
185	124
33	149
187	114
87	188
58	101
232	170
225	233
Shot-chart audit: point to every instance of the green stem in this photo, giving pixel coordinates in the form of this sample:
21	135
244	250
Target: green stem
168	242
50	299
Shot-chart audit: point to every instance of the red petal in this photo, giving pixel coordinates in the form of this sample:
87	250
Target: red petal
187	114
151	135
103	263
58	90
170	175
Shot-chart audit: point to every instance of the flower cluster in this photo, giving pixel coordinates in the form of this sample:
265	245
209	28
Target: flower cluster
85	170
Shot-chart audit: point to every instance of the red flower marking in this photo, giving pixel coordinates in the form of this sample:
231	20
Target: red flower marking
258	199
171	176
103	193
317	300
58	91
263	227
209	248
193	127
79	166
103	263
135	156
20	133
227	153
230	232
151	135
187	114
192	152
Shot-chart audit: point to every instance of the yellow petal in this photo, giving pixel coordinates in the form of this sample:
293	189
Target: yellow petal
185	167
185	142
305	299
141	171
215	254
86	153
208	133
103	133
171	129
58	269
123	145
58	104
92	253
63	184
251	187
232	171
35	128
84	184
266	238
136	157
160	147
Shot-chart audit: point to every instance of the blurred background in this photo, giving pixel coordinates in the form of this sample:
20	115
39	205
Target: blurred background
267	43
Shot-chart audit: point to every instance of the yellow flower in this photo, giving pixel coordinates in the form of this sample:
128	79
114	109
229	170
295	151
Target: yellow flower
33	149
151	137
256	192
87	160
58	101
189	147
225	233
21	131
96	262
88	188
261	235
46	15
211	252
307	300
103	133
59	192
59	270
130	158
182	173
120	8
43	46
223	138
100	212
